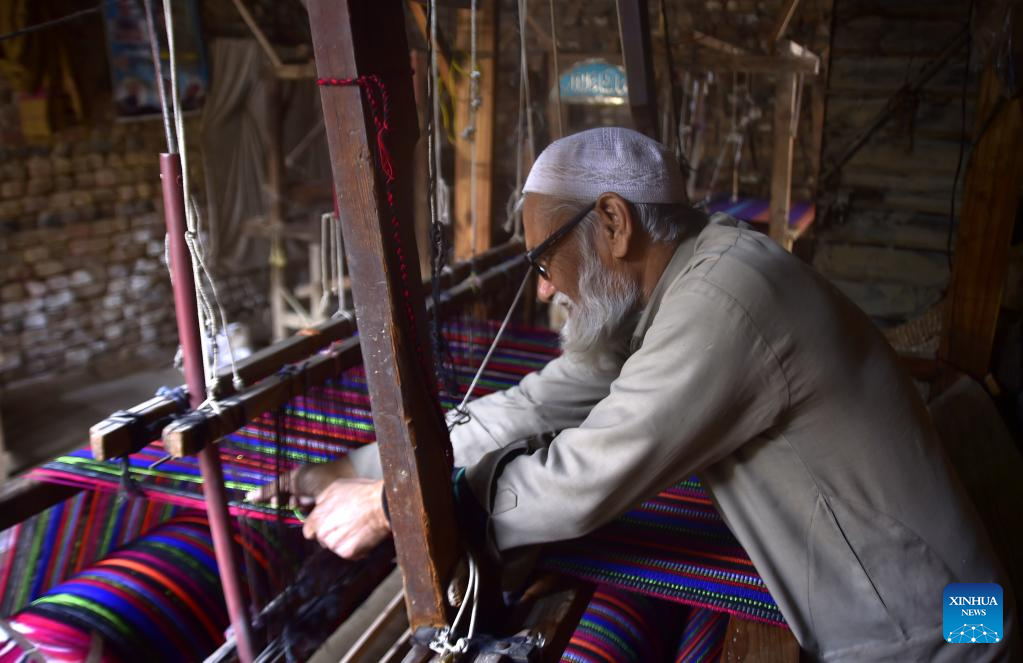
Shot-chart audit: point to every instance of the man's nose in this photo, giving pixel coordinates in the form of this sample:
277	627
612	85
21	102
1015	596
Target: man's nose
545	290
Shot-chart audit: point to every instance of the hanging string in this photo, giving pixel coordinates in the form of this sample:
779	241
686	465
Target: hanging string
493	344
672	85
513	208
446	643
209	300
154	52
437	196
557	69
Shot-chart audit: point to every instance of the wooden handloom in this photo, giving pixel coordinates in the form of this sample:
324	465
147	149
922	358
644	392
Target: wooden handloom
391	304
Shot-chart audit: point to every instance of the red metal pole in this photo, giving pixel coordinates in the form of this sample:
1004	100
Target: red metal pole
187	314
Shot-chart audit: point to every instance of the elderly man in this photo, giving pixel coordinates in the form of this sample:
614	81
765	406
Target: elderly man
701	346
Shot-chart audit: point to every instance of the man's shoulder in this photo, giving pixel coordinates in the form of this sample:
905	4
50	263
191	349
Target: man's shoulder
732	259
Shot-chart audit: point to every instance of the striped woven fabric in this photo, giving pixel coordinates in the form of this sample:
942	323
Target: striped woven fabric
674	547
622	627
157	599
324	423
758	211
702	637
64	539
625	627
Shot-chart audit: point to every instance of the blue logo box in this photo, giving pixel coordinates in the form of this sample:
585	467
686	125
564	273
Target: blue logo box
972	613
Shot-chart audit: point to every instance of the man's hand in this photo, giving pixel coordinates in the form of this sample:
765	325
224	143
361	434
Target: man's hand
301	486
349	518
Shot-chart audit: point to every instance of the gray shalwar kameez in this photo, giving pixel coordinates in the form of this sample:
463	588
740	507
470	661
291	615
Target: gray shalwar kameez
749	368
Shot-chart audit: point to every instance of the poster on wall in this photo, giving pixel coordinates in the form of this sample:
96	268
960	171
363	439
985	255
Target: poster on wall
595	81
132	74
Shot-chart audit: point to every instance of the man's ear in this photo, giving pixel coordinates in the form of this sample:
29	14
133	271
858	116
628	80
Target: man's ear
617	223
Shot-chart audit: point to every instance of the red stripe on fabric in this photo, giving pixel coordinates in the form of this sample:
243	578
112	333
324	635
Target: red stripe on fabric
179	614
9	562
141	605
694	552
580	652
88	540
675	497
61	528
41	623
677	599
203	618
615	601
695	639
185	581
595	645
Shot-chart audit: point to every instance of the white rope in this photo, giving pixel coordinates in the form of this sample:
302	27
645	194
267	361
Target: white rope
523	8
497	339
441	209
557	71
445	641
513	208
210	309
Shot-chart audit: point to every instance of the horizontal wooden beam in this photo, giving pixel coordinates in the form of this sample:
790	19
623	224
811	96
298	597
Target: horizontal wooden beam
716	55
188	435
118	436
299	71
22	497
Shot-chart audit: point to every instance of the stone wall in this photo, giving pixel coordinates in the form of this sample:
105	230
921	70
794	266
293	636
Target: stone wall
83	282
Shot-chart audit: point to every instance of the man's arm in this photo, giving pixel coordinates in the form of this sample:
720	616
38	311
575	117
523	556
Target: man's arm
704	383
556	397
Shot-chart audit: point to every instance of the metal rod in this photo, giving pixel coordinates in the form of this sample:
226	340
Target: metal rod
187	315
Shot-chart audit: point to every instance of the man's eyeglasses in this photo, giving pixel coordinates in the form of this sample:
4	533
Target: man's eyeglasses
533	257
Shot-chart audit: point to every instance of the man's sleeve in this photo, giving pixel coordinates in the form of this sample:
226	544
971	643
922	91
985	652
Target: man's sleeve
703	383
559	396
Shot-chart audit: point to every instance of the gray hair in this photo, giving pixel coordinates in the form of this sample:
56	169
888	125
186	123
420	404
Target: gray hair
663	222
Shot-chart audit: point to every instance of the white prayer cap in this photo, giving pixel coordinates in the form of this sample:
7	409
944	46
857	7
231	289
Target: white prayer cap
584	165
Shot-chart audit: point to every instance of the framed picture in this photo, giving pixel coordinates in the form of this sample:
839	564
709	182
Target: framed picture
132	74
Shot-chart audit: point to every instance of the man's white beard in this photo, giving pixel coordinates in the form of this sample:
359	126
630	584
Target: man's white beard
597	323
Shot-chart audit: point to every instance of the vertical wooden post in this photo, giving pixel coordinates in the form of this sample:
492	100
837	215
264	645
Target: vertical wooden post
481	141
990	199
785	113
353	38
818	88
634	28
